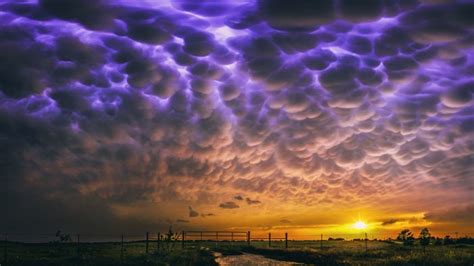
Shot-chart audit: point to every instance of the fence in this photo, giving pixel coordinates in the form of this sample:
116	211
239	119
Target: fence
121	247
279	240
362	241
116	247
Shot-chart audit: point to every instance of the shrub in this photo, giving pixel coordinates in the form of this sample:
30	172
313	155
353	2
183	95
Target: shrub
406	236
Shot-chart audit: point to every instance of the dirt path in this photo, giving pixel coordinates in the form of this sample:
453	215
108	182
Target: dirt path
250	260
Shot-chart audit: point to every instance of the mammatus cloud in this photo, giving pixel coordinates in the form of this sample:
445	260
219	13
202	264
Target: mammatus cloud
229	205
312	103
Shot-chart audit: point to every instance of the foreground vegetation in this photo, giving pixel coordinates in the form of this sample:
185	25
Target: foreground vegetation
380	253
202	253
103	254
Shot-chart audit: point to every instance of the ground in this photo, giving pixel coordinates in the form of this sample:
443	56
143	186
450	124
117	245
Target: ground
202	253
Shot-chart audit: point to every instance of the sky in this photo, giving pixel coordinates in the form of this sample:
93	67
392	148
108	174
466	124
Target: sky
264	115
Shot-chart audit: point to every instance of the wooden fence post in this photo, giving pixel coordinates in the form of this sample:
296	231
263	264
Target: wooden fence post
366	249
182	239
286	240
146	243
78	242
121	251
321	242
158	236
248	238
5	249
269	239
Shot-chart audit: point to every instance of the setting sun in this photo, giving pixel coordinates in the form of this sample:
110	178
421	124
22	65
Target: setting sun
360	225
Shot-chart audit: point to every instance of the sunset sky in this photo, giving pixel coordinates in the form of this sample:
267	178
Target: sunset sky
283	115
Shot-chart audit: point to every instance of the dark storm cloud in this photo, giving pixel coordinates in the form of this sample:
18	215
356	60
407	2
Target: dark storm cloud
238	197
229	205
91	13
251	201
192	213
107	103
390	221
460	214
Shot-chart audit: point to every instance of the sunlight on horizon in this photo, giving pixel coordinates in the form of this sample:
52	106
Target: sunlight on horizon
360	225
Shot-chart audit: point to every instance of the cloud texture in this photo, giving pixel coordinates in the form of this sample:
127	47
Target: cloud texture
310	102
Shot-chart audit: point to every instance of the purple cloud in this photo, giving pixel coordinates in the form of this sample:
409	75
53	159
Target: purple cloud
107	103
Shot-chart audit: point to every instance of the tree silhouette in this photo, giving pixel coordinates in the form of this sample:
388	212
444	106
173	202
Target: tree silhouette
63	238
406	236
424	238
169	240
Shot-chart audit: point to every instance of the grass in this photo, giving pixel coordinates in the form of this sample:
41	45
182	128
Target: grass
21	254
353	253
201	253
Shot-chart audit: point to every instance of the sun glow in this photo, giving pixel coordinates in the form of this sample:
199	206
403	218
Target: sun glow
359	225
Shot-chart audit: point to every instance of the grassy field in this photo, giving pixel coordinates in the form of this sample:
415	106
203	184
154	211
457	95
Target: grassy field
379	253
201	253
354	253
104	254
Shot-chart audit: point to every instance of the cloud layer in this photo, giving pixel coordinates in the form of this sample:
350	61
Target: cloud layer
304	102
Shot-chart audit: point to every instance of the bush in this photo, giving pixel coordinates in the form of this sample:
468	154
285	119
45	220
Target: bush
465	240
406	236
425	237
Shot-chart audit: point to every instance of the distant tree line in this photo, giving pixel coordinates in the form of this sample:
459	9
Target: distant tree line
336	239
425	238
